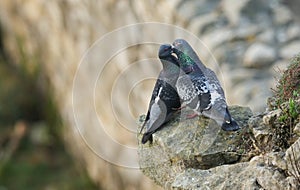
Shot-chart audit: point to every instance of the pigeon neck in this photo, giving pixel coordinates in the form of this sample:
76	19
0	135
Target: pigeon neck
196	59
187	62
170	65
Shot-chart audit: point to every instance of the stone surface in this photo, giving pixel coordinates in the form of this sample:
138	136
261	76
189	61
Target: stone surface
270	117
195	143
183	157
282	15
232	10
267	36
276	159
297	129
248	175
259	55
292	158
290	50
293	32
252	92
261	132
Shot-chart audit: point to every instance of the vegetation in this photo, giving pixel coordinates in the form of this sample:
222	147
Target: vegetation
287	99
289	85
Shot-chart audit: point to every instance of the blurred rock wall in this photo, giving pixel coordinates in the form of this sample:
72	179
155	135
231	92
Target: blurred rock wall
99	97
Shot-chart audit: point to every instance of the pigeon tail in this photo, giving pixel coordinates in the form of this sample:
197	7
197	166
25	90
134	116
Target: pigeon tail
231	126
147	137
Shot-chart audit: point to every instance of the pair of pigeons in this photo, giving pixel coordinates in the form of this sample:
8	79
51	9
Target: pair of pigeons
185	81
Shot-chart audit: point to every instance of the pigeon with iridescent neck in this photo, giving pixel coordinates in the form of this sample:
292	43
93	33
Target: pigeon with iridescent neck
200	89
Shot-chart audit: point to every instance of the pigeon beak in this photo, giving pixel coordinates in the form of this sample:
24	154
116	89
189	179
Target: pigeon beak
174	55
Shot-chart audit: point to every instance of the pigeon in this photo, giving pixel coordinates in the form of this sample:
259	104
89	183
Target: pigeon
200	89
165	100
192	84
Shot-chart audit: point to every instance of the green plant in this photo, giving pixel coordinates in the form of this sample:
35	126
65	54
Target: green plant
293	109
289	84
287	98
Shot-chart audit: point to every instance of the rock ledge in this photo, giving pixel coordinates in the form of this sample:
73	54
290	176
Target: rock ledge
197	154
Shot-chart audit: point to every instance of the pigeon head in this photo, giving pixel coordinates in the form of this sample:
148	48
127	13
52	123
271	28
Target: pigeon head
186	63
168	58
165	51
179	43
183	46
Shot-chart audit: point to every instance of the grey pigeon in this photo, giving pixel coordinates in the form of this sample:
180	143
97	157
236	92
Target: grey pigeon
200	89
164	100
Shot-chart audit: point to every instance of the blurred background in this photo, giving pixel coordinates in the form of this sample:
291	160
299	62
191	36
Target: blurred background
56	135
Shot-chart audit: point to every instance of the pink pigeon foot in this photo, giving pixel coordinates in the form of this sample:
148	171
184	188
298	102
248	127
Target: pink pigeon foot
190	116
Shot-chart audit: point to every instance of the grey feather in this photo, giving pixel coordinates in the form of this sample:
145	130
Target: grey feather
218	107
164	100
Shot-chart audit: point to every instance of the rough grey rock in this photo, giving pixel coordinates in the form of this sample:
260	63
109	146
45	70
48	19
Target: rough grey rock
248	175
259	55
261	132
292	158
286	35
282	15
276	159
253	92
238	76
290	50
179	158
232	10
267	36
297	129
197	143
190	9
270	117
293	32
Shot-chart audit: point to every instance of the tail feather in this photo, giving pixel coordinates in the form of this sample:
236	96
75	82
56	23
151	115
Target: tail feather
147	137
145	121
231	126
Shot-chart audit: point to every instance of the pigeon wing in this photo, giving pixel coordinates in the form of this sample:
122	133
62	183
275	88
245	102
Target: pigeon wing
154	95
157	118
